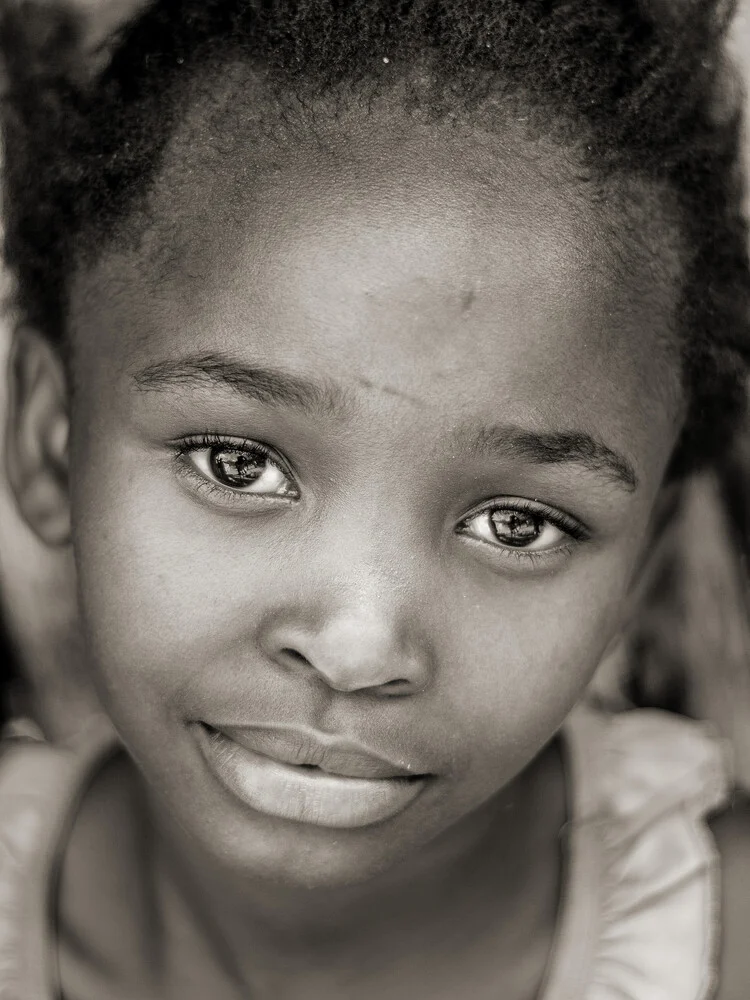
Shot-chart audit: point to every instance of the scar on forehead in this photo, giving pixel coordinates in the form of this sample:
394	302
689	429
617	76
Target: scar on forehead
389	390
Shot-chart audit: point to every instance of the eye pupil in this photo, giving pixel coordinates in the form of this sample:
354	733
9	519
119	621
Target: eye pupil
236	468
514	527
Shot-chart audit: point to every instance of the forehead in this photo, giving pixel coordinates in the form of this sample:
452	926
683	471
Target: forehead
407	254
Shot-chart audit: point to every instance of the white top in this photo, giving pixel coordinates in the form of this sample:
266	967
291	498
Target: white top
640	907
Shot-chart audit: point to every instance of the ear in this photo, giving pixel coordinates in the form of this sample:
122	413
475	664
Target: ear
37	435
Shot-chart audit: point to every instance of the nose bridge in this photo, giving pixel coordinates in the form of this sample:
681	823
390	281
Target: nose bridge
368	548
372	571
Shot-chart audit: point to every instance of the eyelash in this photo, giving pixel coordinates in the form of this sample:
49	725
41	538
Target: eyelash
524	558
209	487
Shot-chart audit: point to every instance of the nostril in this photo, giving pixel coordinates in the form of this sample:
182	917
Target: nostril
294	654
396	687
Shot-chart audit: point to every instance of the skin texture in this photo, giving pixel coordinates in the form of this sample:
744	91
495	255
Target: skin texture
441	321
414	302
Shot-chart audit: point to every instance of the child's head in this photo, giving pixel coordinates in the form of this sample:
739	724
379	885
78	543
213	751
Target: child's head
383	325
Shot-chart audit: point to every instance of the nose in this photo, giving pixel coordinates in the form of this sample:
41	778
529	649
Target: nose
356	648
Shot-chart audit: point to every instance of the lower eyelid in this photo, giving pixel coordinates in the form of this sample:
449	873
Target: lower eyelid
523	559
541	557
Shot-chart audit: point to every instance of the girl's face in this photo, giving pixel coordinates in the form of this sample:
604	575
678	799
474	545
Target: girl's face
363	461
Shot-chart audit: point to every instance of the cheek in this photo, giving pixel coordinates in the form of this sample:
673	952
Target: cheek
524	659
167	599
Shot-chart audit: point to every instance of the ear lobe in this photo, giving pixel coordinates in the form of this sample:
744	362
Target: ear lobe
37	436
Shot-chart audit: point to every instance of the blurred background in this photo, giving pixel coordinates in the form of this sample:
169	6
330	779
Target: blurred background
692	647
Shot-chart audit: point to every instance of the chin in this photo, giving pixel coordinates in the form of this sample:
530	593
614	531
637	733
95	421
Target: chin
295	855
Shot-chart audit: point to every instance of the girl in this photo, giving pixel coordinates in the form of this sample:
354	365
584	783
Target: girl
362	347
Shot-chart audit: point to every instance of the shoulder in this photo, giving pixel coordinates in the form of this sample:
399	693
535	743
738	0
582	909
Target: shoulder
37	781
731	830
40	786
654	780
643	766
677	772
31	777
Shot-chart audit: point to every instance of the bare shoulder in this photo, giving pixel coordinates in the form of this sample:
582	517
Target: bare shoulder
731	828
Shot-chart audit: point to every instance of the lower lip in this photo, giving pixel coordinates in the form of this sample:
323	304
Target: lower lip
305	795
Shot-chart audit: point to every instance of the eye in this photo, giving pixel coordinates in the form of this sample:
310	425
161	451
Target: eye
246	467
522	526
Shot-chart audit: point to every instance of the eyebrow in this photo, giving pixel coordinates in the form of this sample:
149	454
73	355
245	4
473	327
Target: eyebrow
264	384
275	387
554	448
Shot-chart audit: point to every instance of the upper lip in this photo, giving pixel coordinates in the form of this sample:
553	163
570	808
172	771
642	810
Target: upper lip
329	753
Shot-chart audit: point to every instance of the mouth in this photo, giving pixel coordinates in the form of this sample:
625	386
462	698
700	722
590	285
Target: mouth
308	778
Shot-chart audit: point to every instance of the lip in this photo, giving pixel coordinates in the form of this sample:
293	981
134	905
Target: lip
305	749
255	766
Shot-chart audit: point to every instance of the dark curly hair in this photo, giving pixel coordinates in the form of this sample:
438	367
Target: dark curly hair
633	89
